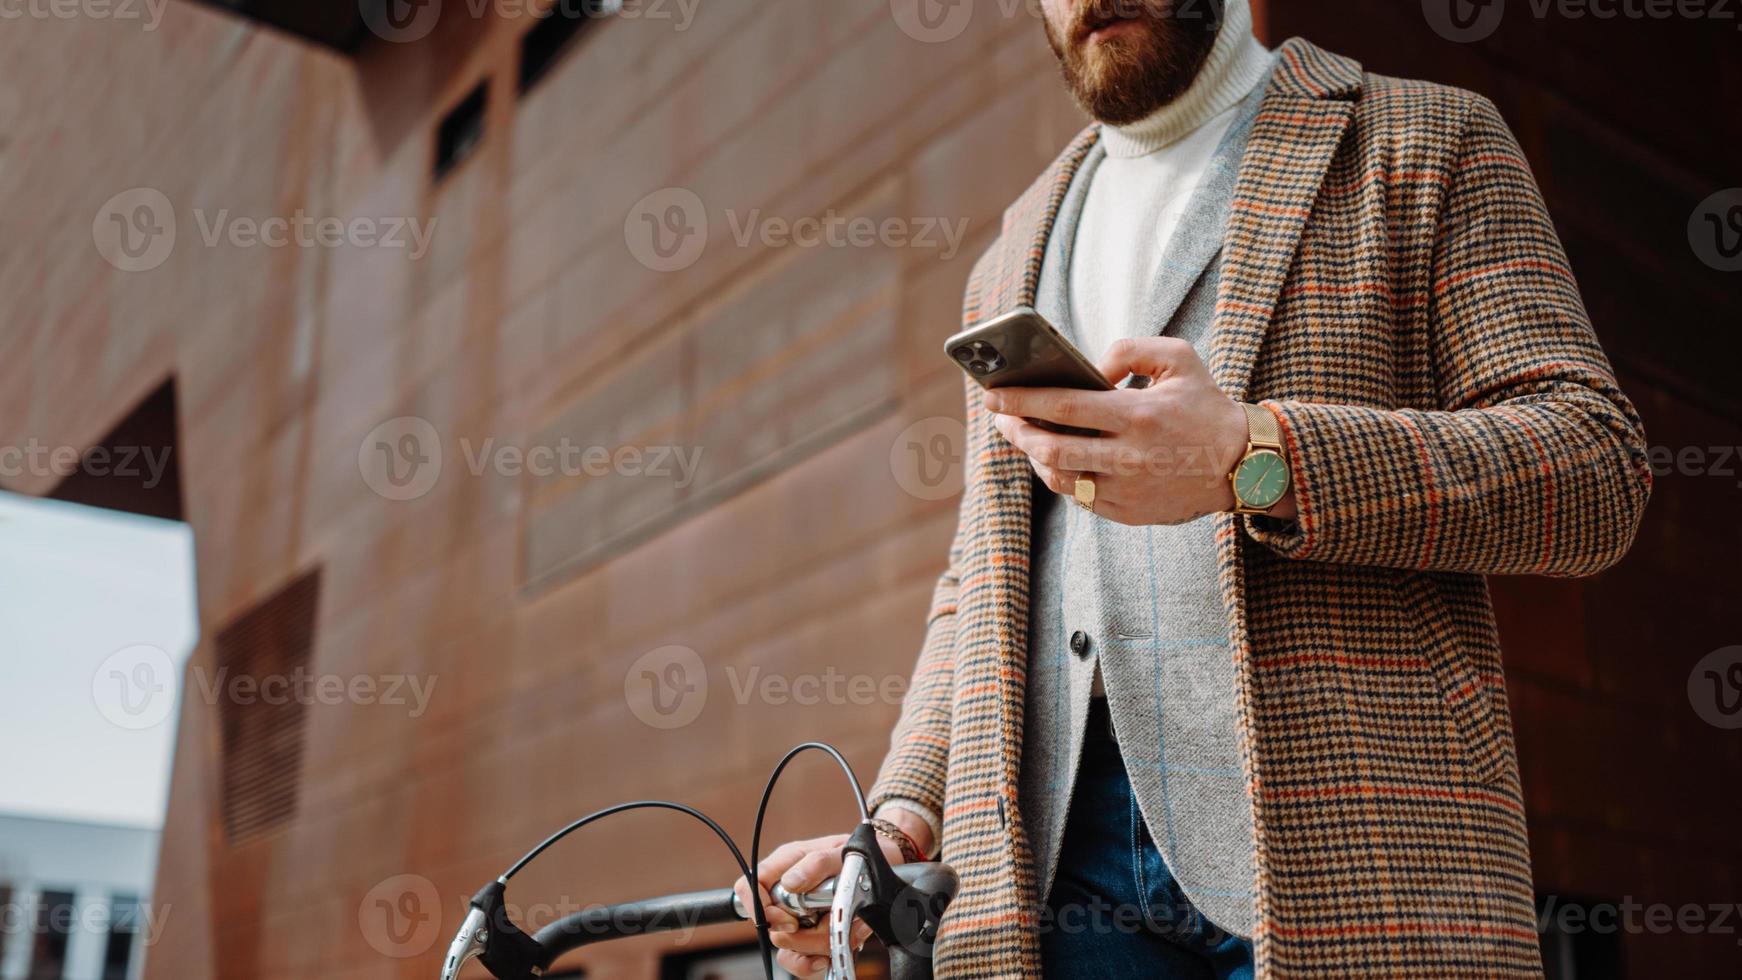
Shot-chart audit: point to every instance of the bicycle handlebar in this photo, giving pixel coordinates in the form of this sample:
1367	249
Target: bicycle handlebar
692	910
923	886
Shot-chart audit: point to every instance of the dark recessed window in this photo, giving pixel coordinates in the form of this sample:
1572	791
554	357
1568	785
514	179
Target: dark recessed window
123	926
543	46
461	131
54	925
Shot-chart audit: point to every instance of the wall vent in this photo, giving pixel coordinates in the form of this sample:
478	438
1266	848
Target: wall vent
262	729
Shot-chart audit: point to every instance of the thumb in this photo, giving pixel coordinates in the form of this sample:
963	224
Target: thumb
1153	357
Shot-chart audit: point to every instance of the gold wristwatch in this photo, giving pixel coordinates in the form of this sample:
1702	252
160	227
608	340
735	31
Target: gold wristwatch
1260	480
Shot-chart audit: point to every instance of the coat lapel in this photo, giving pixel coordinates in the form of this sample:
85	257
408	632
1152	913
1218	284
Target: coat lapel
998	507
1300	124
1009	280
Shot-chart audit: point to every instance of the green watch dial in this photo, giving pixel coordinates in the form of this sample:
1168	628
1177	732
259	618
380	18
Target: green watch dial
1261	479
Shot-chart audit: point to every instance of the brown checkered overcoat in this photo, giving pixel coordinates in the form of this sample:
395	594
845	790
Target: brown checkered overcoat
1393	287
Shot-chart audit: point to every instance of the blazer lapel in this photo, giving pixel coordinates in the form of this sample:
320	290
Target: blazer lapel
1300	123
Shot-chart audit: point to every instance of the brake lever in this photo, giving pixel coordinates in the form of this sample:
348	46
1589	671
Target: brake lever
468	943
491	937
852	894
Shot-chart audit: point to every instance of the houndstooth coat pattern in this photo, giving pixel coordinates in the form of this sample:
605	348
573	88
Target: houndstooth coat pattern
1394	290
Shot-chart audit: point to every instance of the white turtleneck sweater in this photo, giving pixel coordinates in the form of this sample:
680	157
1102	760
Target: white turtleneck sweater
1141	190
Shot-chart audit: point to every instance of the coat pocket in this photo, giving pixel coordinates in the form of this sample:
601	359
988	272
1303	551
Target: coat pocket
1468	701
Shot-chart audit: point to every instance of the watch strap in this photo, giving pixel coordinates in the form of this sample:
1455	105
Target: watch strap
1262	430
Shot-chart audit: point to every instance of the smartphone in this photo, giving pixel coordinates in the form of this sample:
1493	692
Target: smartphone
1021	349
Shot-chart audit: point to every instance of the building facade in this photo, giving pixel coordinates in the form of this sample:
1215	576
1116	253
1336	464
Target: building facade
76	899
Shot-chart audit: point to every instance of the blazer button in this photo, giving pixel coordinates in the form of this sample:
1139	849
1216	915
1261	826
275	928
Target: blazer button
1080	643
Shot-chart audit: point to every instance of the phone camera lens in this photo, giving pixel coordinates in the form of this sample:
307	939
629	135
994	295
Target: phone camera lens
963	354
979	367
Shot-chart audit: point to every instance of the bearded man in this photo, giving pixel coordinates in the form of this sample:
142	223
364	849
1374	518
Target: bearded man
1218	692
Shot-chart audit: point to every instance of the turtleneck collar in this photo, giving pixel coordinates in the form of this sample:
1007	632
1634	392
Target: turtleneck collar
1236	63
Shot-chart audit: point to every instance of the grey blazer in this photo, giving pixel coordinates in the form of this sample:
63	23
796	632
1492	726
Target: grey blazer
1147	603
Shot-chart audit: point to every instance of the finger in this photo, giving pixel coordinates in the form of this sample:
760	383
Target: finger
1066	453
779	919
1104	411
810	942
861	932
786	855
812	870
1058	481
800	965
1153	357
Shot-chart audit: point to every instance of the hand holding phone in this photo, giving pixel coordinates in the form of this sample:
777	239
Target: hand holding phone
1020	349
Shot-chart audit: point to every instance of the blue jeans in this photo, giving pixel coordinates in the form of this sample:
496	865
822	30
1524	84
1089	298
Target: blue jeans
1114	911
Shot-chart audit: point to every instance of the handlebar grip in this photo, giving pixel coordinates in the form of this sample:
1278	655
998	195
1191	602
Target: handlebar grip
688	911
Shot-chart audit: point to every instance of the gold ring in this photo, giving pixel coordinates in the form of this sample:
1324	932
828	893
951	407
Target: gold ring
1085	493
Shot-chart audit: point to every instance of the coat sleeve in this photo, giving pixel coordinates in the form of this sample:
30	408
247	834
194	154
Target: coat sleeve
919	748
1536	462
